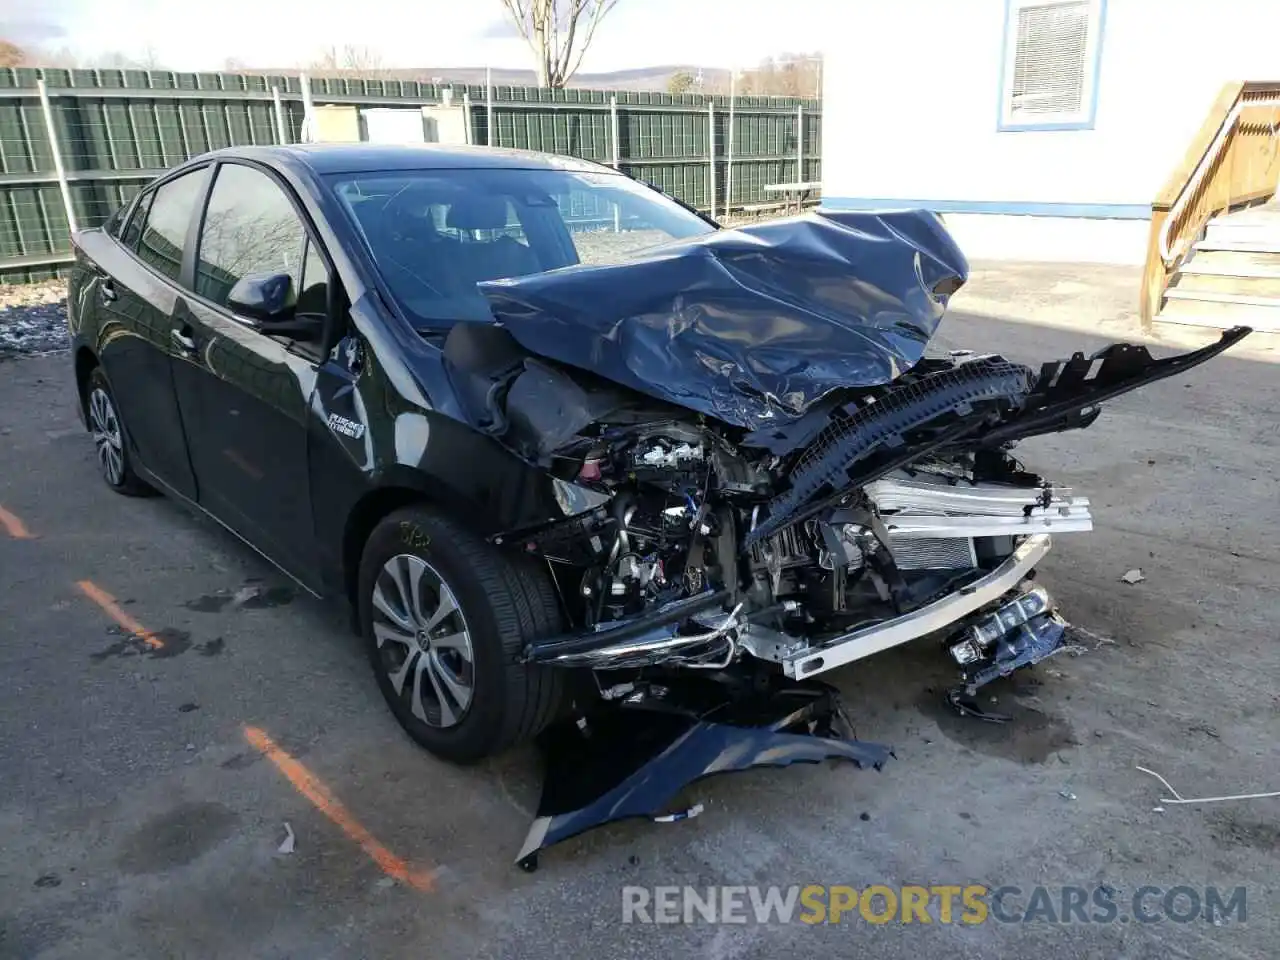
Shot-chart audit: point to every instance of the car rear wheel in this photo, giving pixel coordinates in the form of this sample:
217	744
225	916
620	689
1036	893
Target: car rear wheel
445	617
110	440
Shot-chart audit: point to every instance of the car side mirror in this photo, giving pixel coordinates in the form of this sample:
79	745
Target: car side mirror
266	298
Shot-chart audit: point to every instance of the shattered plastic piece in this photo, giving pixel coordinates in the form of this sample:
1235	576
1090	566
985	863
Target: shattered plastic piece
1133	576
244	595
1038	639
631	760
1069	393
888	423
679	815
287	844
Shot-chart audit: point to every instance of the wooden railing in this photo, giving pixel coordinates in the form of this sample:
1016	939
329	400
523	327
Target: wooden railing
1233	160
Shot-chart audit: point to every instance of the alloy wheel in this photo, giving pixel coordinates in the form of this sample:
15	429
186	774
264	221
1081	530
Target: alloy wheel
423	640
108	439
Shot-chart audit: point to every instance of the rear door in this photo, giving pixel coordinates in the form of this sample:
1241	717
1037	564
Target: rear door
244	392
135	297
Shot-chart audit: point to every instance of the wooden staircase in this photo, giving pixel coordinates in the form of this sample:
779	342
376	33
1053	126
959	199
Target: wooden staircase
1231	275
1213	254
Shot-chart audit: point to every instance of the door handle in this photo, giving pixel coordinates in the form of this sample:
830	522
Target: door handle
107	290
183	340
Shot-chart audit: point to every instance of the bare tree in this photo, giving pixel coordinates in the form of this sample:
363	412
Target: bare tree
150	60
64	59
11	55
348	61
559	32
789	75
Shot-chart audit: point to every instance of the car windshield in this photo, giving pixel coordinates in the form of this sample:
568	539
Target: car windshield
434	234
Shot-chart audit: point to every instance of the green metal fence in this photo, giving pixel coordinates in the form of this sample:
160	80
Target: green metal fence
116	129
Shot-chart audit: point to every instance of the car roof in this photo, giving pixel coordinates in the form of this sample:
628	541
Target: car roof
326	158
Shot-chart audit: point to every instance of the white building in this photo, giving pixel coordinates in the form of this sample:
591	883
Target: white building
1040	129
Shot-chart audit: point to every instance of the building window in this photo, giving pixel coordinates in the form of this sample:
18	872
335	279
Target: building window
1049	76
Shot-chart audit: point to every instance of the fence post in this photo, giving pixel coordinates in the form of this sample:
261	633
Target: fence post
281	129
488	107
57	154
616	151
466	115
711	153
613	133
800	143
308	111
728	168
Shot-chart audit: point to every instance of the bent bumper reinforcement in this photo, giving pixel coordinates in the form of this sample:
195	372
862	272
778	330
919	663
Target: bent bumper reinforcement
656	633
929	619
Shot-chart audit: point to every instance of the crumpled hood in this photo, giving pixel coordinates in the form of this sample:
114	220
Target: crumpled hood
750	325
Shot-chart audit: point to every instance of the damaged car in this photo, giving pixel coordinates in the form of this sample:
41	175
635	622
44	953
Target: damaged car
586	467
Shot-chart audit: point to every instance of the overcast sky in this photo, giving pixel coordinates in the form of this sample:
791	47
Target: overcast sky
410	33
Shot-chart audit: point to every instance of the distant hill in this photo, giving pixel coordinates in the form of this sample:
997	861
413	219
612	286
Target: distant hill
642	78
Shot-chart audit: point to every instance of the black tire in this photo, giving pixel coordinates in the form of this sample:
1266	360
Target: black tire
504	602
112	440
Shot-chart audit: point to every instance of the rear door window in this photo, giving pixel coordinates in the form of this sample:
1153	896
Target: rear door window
165	234
250	229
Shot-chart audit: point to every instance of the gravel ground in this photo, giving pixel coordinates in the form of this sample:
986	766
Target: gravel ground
33	318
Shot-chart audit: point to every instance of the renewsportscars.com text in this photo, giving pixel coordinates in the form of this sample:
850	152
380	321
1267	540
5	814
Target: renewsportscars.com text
968	904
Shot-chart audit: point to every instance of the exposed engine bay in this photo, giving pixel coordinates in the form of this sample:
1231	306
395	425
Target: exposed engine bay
693	527
694	544
765	476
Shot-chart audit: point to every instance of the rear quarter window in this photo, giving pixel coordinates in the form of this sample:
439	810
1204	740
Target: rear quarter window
133	228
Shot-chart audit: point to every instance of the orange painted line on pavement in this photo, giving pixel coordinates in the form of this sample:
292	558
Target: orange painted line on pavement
112	609
306	783
14	525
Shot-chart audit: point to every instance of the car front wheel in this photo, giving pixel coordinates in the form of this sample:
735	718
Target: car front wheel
445	617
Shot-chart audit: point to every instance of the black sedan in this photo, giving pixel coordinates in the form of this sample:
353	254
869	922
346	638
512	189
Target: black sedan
259	335
562	442
572	452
